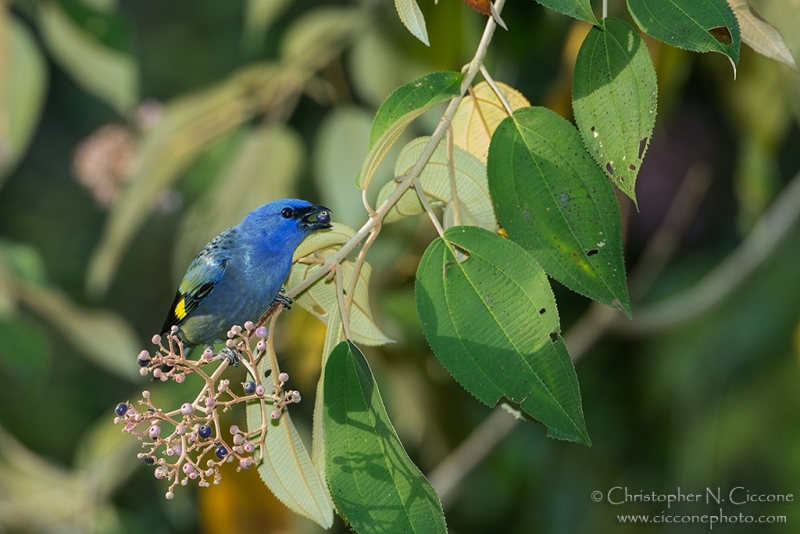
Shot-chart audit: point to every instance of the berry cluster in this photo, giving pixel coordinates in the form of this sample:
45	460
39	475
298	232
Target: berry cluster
188	443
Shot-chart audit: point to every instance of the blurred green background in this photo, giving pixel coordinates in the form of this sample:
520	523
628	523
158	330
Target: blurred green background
131	132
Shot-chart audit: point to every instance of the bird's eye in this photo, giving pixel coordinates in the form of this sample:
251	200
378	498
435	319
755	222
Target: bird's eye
287	213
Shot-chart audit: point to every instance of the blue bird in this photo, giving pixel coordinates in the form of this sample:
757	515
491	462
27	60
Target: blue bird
238	275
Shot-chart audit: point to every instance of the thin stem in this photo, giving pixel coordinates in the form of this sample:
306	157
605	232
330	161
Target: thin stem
496	89
451	171
338	275
605	8
424	201
351	287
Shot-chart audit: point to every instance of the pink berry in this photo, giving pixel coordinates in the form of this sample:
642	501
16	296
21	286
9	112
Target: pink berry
261	346
157	373
180	429
208	354
234	430
143	371
248	325
259	390
238	439
283	377
186	408
244	463
210	401
261	332
146	394
179	379
275	414
156	339
249	447
154	431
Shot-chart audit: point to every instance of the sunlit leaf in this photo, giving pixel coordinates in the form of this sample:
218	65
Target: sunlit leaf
412	18
375	485
614	94
479	114
23	81
404	105
264	167
338	234
286	467
492	321
555	201
109	74
697	25
258	17
189	125
471	184
321	298
760	35
579	9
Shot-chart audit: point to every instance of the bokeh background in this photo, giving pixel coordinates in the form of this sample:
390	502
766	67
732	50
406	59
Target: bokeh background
131	132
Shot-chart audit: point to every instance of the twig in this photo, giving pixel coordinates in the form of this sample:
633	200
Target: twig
451	171
417	185
338	275
756	248
496	89
605	8
351	287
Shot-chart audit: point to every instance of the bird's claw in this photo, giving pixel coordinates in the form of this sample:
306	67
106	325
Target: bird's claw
283	300
232	355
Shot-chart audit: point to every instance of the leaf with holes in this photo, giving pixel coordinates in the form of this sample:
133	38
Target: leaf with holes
579	9
555	201
760	35
405	104
479	114
490	317
286	467
472	189
375	485
697	25
614	95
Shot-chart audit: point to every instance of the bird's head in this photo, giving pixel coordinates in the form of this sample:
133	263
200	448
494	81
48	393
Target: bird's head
286	221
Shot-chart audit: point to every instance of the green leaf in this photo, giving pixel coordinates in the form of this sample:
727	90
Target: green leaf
492	321
375	485
23	82
404	105
579	9
697	25
109	74
286	467
189	125
556	202
614	94
471	184
411	16
265	166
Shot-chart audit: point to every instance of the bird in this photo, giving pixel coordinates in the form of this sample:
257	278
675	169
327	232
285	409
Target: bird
239	274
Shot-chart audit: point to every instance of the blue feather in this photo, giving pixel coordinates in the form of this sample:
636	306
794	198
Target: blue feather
237	276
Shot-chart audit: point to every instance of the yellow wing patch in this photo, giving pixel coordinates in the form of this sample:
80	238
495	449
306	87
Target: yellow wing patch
180	309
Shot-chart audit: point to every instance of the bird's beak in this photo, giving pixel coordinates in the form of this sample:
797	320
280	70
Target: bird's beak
317	218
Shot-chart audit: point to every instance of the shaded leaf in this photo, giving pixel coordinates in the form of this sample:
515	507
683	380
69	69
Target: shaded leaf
341	146
404	105
479	114
109	74
579	9
492	321
375	485
614	95
555	201
321	298
263	167
472	186
697	25
412	18
319	35
760	35
188	126
258	17
23	82
286	467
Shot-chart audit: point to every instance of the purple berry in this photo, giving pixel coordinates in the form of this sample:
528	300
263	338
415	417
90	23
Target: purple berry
154	431
122	408
221	452
149	460
249	388
261	332
204	431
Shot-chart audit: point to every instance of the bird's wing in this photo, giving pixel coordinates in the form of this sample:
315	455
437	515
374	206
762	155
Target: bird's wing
205	271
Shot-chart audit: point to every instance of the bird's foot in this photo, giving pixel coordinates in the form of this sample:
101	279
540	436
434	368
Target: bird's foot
283	300
232	355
